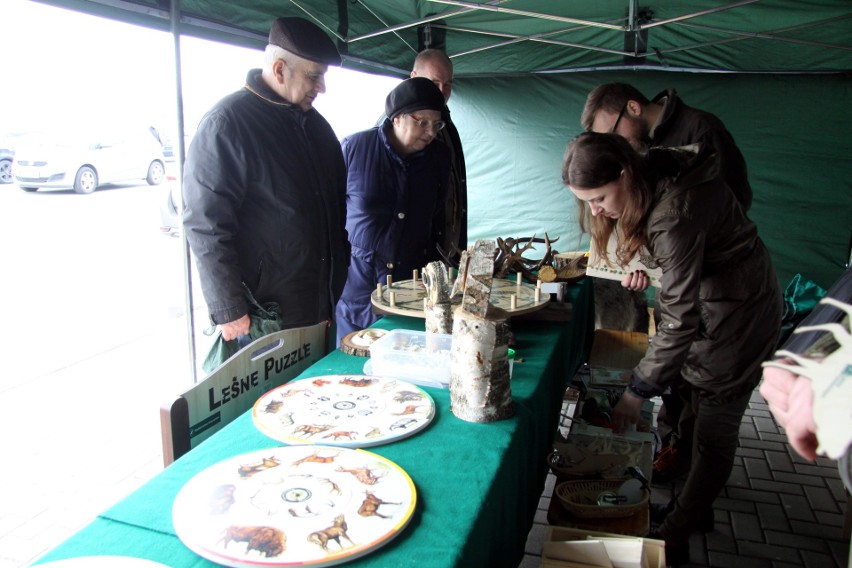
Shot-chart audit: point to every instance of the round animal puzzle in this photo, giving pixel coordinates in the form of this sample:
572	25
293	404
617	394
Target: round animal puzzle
294	505
355	411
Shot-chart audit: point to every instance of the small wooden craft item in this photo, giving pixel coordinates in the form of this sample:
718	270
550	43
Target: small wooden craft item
294	506
406	297
479	364
436	305
355	411
358	342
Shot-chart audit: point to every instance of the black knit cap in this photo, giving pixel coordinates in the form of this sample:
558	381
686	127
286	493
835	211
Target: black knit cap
417	93
305	39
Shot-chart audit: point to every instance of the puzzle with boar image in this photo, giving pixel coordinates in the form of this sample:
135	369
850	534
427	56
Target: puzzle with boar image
355	411
294	505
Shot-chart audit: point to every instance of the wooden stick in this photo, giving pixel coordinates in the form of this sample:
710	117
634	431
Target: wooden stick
513	302
520	278
393	299
538	294
390	280
379	292
415	274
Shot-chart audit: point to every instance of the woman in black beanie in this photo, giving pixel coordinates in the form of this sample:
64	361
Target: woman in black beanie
397	178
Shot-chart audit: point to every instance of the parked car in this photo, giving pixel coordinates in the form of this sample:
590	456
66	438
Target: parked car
6	157
82	163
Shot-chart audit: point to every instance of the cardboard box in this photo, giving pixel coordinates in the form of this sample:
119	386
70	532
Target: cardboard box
614	349
653	552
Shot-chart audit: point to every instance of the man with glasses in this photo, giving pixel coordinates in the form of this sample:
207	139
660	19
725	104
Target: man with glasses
264	190
666	121
396	190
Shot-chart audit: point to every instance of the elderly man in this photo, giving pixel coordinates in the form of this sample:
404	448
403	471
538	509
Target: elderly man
265	189
396	190
434	65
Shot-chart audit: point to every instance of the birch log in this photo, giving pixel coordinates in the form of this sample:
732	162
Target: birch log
479	365
437	308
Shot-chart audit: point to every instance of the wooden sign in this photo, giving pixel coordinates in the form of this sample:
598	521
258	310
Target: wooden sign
233	388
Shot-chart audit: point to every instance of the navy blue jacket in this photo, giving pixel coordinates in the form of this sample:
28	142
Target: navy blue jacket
392	204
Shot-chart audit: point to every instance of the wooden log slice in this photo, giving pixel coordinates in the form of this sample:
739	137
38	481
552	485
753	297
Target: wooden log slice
358	342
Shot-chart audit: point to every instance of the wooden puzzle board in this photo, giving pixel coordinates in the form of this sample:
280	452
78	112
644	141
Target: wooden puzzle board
294	506
354	411
409	295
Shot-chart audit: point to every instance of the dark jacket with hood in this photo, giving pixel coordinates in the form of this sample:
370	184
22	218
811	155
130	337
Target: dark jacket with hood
681	125
394	204
454	233
719	298
264	188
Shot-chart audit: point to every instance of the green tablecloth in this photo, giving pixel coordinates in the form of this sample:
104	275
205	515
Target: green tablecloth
478	484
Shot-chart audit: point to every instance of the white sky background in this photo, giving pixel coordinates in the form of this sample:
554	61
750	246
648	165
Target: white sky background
63	69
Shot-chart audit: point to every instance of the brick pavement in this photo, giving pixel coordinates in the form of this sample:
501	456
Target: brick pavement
777	510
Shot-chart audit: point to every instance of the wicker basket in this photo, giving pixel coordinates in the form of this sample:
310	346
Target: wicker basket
580	499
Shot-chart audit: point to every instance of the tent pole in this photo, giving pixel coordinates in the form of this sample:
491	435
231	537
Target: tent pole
174	26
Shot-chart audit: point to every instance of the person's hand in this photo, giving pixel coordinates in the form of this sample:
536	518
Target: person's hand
626	412
637	281
236	328
791	398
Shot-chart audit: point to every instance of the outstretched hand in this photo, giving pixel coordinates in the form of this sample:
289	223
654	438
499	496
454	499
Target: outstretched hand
791	400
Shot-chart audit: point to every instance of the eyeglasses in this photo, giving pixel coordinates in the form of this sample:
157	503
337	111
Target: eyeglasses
436	125
617	120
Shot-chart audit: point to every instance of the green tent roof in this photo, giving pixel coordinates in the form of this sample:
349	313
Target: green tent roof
535	36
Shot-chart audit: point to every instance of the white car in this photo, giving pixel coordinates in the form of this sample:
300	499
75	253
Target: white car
83	163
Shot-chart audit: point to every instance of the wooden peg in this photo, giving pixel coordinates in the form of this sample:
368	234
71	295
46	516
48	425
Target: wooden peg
513	302
390	280
520	279
379	291
538	295
393	299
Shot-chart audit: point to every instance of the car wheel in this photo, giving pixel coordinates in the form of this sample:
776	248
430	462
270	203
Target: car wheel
86	180
5	171
29	188
156	173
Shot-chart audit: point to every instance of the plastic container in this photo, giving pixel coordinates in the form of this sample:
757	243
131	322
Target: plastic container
415	356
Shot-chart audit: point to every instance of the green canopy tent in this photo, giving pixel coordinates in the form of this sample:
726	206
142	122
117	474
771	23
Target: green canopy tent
777	72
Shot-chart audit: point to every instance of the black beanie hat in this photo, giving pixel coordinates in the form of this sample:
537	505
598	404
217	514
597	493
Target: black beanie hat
417	93
305	39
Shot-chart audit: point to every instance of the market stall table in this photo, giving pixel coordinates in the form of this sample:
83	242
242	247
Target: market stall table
478	485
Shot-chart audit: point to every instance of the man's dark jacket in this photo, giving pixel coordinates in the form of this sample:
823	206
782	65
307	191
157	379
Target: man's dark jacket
681	125
265	195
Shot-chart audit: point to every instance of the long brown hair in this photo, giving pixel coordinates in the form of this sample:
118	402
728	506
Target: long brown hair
593	160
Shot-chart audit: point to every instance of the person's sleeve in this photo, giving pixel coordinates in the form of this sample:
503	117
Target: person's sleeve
214	187
679	250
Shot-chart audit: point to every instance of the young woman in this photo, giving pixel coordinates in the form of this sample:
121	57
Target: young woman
719	300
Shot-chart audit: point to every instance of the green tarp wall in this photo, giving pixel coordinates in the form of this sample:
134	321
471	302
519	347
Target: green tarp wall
794	131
